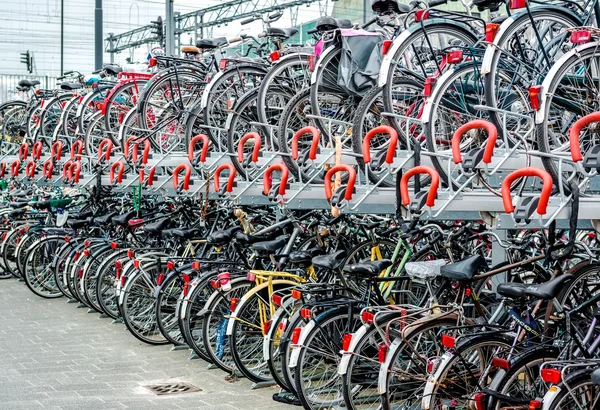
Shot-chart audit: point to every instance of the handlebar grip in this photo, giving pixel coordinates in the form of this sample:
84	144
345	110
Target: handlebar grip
370	22
68	72
235	40
527	172
255	150
382	129
262	35
575	131
247	21
433	188
312	31
314	146
435	3
473	125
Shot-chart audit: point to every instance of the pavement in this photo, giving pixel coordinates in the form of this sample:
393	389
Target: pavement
54	355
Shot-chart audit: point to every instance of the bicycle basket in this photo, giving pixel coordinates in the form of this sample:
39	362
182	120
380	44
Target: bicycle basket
360	61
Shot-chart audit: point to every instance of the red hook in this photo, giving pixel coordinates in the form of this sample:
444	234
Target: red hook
268	180
314	145
474	125
576	130
527	172
351	181
382	129
433	188
230	179
186	178
255	150
192	145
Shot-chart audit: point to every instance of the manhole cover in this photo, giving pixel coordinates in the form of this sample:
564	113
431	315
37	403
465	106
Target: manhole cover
172	388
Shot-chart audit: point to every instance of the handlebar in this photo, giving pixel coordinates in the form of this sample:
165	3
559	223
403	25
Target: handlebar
473	125
433	188
314	145
368	23
382	129
575	131
527	172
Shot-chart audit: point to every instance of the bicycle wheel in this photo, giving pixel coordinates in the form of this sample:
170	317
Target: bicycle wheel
39	276
168	296
106	283
577	392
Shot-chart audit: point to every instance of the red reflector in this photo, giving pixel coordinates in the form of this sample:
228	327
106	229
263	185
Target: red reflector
18	241
428	87
233	304
160	279
277	300
382	352
67	238
214	284
130	253
535	404
312	62
448	341
6	233
86	252
136	263
454	57
266	327
590	235
152	62
534	96
367	316
421	15
430	364
490	31
580	36
517	4
118	265
171	265
296	294
223	64
87	243
501	363
113	245
296	335
468	292
386	46
553	376
196	266
75	257
480	401
274	56
80	273
305	313
346	340
123	280
186	289
187	278
251	277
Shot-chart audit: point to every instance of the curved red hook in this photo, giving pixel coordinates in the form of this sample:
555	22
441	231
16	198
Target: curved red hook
382	129
255	150
14	168
76	150
527	172
134	149
147	181
268	180
56	150
192	145
36	150
474	125
230	179
576	130
24	151
351	180
2	169
119	178
74	172
314	145
30	169
433	188
47	169
65	169
105	143
186	178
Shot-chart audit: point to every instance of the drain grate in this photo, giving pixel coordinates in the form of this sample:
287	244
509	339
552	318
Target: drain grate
172	388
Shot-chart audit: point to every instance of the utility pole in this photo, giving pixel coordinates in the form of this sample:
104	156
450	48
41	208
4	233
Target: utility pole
62	37
98	36
170	27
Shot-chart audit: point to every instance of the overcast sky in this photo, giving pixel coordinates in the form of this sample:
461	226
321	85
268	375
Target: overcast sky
34	25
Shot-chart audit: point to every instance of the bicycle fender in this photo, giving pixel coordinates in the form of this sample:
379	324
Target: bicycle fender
347	355
295	355
314	75
436	90
383	369
432	381
282	310
388	58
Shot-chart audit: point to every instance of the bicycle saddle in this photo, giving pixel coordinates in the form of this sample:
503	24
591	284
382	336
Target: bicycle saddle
550	289
28	83
40	204
250	239
492	5
222	237
112	69
304	257
17	212
389	6
281	32
511	290
77	223
371	268
18	205
184	233
190	50
332	261
463	270
101	220
123	219
157	227
331	23
269	246
70	86
211	42
596	376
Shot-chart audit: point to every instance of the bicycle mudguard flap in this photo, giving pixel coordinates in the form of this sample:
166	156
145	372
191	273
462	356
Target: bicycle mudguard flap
472	158
526	207
591	159
338	196
418	202
304	156
378	159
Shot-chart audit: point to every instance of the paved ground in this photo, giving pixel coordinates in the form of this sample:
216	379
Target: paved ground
55	356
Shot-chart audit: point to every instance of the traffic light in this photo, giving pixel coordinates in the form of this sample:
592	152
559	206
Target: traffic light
27	59
157	29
